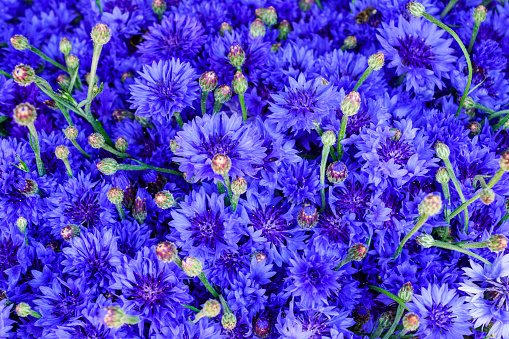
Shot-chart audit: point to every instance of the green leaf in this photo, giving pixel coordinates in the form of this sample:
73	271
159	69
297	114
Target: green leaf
191	308
390	295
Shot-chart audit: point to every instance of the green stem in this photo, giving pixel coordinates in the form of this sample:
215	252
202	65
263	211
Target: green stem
226	308
474	36
26	237
178	117
377	333
501	123
390	295
217	107
220	187
209	287
47	58
235	201
343	262
447	246
420	222
243	106
98	2
399	314
448	8
68	167
447	196
204	95
319	4
226	179
37	149
479	244
85	154
117	153
178	261
486	2
465	52
497	114
141	168
364	76
504	219
130	319
463	206
6	74
93	70
120	211
457	186
323	165
341	136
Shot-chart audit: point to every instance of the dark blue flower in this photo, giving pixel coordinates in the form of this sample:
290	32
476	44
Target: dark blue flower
246	297
299	181
164	88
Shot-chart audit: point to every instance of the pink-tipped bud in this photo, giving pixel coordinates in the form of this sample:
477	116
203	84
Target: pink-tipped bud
487	196
23	75
480	13
376	61
72	61
208	81
225	27
416	9
23	310
115	195
497	243
406	292
100	34
166	251
221	164
65	46
351	104
121	144
19	42
70	231
239	186
107	166
336	172
504	161
192	266
350	42
237	56
62	152
223	94
411	322
442	150
430	205
229	321
357	252
284	28
71	133
159	7
305	5
25	114
96	140
21	223
307	217
257	28
239	83
165	200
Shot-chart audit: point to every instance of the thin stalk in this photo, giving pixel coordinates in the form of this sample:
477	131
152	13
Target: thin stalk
120	211
399	314
98	2
447	246
243	106
47	58
85	154
209	287
178	117
457	186
497	114
226	308
217	107
479	244
504	219
141	168
319	4
117	153
235	201
93	70
6	74
68	167
226	179
420	222
364	76
204	95
474	36
343	262
501	123
323	165
390	295
448	8
485	109
463	49
341	136
377	333
37	150
26	236
447	196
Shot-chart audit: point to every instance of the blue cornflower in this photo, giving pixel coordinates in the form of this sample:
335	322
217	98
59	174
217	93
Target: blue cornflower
131	236
182	328
246	297
207	136
312	278
151	288
164	88
392	9
442	313
416	48
302	104
488	295
14	258
489	55
226	268
5	322
177	35
299	181
92	257
203	227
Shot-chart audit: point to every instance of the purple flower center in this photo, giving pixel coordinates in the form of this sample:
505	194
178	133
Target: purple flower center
301	101
8	252
313	276
86	211
353	198
440	316
332	226
219	144
414	52
397	150
67	306
273	226
207	229
232	262
149	289
123	5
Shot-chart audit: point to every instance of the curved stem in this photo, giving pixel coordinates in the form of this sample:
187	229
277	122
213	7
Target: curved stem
6	74
420	222
68	167
364	76
235	201
93	70
145	166
341	136
47	58
501	123
377	333
452	247
465	52
243	106
456	183
319	4
479	244
120	211
448	8
474	36
504	219
497	114
390	295
204	95
399	314
85	154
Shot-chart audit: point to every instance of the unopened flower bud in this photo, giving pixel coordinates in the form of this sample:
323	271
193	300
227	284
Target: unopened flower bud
72	61
269	16
30	188
284	28
307	217
23	75
225	27
262	327
115	195
166	251
239	186
376	61
51	104
229	321
192	266
357	252
223	94
329	138
100	34
475	128
65	46
411	322
140	210
361	315
221	164
121	144
25	114
336	172
442	175
159	7
480	14
397	134
442	150
115	317
71	133
416	9
257	28
504	161
385	320
165	200
239	83
237	56
275	47
487	196
96	140
70	231
88	78
125	76
61	152
351	104
497	243
259	256
430	205
21	223
208	81
108	166
64	80
259	12
350	42
121	114
173	145
23	310
305	5
425	240
468	103
406	292
210	309
19	42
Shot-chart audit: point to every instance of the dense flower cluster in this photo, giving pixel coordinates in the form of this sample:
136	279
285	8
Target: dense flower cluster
297	169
